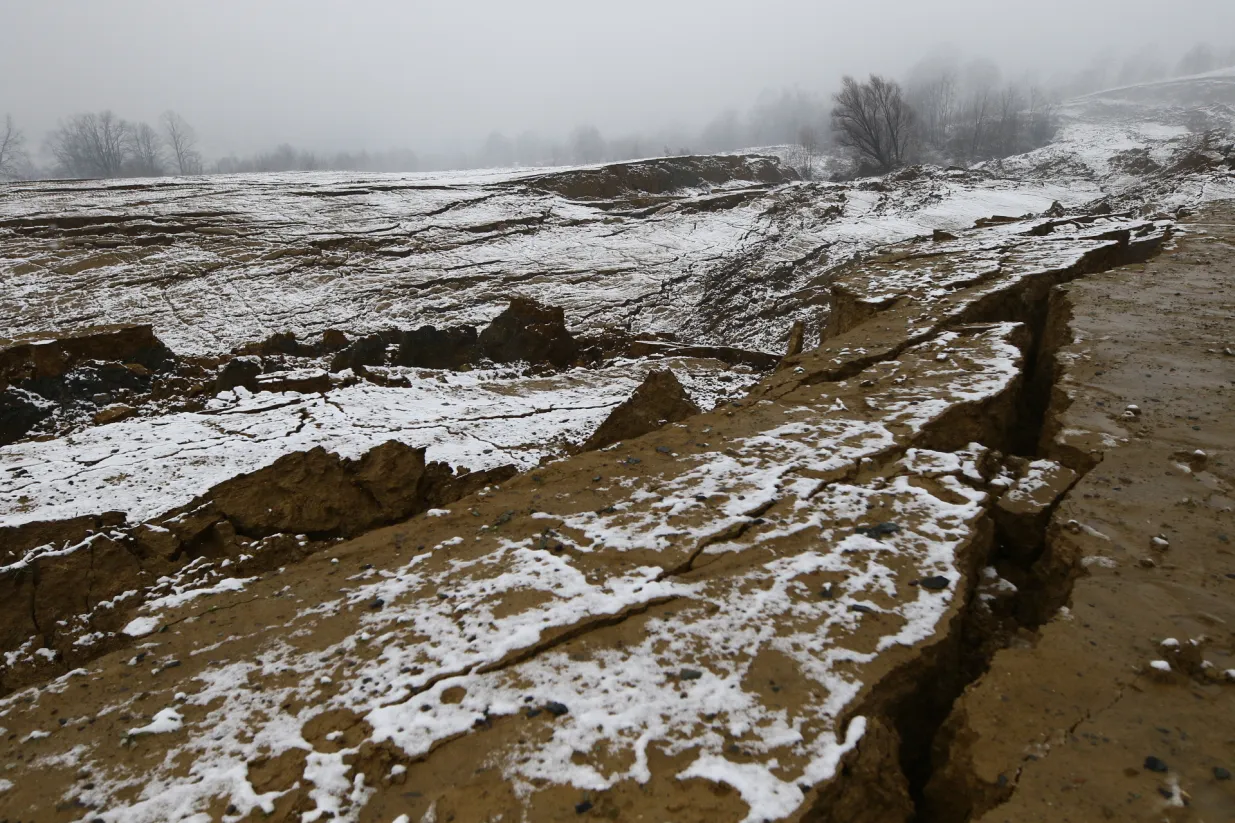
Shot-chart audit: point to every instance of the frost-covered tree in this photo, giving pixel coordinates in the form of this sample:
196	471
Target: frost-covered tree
12	150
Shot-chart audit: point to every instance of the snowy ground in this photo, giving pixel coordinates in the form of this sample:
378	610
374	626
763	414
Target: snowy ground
218	262
147	466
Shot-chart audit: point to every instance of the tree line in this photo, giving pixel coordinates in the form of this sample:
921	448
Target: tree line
942	112
940	117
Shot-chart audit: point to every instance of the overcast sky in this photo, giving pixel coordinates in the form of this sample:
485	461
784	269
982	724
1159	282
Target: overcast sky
426	75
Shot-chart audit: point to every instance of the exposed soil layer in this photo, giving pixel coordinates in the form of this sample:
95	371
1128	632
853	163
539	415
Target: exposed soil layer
836	600
1123	706
58	383
69	587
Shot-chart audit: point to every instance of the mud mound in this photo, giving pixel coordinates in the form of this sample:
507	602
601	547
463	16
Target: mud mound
36	356
429	347
530	332
64	580
662	176
660	399
75	374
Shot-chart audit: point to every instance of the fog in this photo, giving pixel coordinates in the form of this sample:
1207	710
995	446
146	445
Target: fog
440	76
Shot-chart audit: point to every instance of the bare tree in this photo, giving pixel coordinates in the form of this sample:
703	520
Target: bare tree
586	145
498	151
1043	123
1199	59
809	143
91	145
12	149
874	121
976	122
182	141
935	102
1008	122
145	152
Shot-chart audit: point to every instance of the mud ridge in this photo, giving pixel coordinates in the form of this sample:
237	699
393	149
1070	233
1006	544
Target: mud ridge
250	524
897	771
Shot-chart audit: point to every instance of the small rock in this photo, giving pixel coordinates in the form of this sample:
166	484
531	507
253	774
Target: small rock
632	461
584	807
878	530
113	414
556	709
1155	764
935	583
664	450
377	604
690	674
1221	773
1160	543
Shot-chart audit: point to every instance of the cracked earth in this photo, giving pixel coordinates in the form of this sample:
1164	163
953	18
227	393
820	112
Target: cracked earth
965	557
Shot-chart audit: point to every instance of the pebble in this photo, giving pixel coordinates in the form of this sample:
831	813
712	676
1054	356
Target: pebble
690	674
584	807
1221	773
664	450
1155	764
556	709
377	604
1160	543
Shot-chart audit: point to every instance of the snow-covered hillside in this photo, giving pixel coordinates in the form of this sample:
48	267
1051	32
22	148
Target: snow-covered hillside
216	262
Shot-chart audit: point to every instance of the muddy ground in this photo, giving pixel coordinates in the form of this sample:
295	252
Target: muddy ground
968	560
